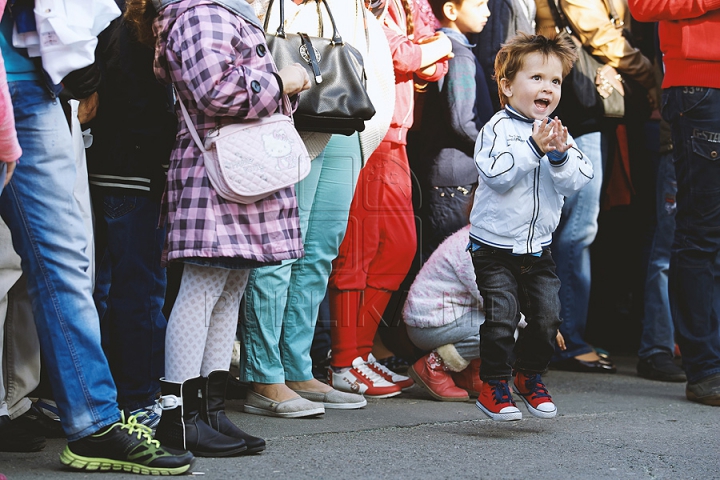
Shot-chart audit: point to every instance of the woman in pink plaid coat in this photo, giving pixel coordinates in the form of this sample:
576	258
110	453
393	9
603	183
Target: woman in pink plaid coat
214	52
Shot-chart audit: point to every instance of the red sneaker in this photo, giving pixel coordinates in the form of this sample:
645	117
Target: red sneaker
400	380
532	390
428	372
360	378
496	401
469	379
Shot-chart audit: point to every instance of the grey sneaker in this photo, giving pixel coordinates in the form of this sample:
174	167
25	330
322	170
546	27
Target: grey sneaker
335	399
706	391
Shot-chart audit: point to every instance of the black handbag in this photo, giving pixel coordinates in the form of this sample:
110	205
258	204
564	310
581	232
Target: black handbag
337	101
591	89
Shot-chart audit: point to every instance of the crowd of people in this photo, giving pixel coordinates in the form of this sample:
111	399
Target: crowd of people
471	198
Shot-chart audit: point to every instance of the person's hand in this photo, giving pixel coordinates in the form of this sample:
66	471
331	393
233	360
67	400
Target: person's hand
560	340
434	49
88	108
543	134
295	79
653	97
9	172
559	142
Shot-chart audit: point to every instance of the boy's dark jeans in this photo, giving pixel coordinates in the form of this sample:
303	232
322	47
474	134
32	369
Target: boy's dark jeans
510	284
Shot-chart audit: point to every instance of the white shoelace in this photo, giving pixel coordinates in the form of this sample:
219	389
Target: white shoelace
370	374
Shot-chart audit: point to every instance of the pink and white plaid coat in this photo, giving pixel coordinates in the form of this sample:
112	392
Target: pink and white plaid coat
222	69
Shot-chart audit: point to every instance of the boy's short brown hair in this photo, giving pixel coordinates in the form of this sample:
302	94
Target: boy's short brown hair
511	57
437	7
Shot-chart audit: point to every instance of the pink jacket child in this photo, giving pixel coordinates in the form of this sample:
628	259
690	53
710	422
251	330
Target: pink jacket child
9	147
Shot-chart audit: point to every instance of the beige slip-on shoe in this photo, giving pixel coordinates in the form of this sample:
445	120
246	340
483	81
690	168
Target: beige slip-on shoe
293	408
335	399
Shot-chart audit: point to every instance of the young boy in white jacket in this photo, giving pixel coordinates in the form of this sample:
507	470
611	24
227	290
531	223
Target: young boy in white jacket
527	164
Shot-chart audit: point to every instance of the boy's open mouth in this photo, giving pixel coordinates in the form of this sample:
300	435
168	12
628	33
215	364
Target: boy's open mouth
542	102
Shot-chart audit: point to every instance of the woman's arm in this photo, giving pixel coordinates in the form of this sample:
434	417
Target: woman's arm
219	64
589	20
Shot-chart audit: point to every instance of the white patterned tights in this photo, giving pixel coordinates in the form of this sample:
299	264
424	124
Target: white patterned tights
201	327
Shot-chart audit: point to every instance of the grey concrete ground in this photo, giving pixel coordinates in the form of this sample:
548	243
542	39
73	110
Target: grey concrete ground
609	426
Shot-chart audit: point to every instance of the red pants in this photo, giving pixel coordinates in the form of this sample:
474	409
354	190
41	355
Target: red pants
375	255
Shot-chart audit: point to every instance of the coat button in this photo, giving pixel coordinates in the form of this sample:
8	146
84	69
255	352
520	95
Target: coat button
255	85
713	154
260	49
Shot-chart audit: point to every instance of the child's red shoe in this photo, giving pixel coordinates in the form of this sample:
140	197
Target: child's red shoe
535	395
428	373
496	401
469	379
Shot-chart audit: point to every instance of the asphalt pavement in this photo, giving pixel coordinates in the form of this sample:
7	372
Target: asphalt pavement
608	426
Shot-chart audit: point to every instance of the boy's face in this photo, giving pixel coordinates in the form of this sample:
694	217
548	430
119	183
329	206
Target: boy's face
535	90
471	16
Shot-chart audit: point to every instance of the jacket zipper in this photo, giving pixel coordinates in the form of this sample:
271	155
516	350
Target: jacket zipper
536	208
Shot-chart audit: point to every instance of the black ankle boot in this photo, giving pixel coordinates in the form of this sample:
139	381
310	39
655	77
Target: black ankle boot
213	411
182	427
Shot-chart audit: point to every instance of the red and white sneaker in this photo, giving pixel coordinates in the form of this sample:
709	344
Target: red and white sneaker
495	401
360	378
535	395
400	380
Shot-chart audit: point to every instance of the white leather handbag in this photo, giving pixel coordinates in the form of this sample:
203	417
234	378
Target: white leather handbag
251	160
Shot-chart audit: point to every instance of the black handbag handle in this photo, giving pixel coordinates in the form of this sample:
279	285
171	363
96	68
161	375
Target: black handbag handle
336	38
311	56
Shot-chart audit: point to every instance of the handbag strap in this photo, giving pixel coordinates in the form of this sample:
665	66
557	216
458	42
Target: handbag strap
336	38
615	19
188	121
561	21
191	125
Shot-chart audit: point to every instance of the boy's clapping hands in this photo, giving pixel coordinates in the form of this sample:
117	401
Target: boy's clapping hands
550	135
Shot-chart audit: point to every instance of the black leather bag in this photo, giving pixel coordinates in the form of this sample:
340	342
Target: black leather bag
337	101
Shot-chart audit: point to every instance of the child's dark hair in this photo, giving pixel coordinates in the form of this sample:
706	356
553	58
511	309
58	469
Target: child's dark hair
437	7
511	57
140	14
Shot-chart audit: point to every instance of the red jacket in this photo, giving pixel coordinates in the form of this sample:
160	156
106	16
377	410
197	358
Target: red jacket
689	38
407	57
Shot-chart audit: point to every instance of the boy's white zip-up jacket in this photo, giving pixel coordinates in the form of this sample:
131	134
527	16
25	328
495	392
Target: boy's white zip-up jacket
521	190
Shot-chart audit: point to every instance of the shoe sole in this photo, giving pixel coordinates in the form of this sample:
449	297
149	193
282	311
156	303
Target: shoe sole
499	417
344	406
250	451
712	400
269	413
78	462
534	411
663	378
384	395
225	453
421	383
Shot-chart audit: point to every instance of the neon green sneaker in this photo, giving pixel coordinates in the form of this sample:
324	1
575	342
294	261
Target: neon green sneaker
126	446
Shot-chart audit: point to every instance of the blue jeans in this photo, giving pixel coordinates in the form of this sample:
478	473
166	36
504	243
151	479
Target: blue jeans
694	114
281	302
510	284
130	292
658	334
571	250
48	234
